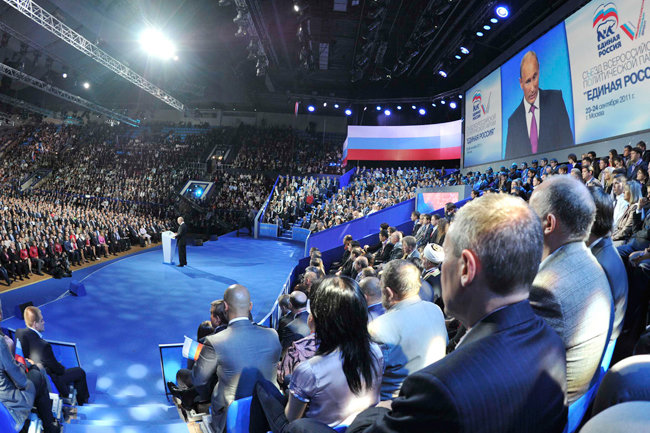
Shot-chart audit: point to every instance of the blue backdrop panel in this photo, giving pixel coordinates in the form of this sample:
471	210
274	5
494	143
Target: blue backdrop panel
298	234
268	230
345	179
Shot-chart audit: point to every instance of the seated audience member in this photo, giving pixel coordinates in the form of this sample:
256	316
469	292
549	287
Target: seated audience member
237	356
40	351
310	277
411	332
416	217
185	390
36	261
383	238
507	375
432	257
450	211
409	246
424	231
297	328
571	292
618	194
382	255
21	389
359	264
438	237
635	163
341	380
630	221
347	240
396	251
4	274
299	351
285	311
602	248
371	288
347	270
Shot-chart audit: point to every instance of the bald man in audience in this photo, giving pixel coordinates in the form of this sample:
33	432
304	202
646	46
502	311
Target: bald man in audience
297	328
571	292
238	356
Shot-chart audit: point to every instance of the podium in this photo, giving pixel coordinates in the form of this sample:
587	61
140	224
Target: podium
169	247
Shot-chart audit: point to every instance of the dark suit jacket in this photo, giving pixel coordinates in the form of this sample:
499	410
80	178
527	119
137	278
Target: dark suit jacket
554	128
611	262
295	330
40	351
384	254
507	375
181	234
396	253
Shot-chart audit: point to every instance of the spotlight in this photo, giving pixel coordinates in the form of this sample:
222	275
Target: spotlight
296	8
348	112
479	34
460	96
452	105
387	112
433	104
156	44
464	50
64	75
399	107
442	73
442	102
311	108
486	27
502	11
412	107
422	111
86	85
336	105
378	107
457	56
494	20
324	104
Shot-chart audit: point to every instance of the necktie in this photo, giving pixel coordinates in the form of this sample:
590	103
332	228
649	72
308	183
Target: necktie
533	130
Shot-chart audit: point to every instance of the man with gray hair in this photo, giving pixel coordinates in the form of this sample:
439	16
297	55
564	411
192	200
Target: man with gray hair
508	373
412	332
358	265
397	252
571	291
409	246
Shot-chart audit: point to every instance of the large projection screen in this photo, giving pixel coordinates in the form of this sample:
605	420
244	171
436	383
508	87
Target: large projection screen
585	80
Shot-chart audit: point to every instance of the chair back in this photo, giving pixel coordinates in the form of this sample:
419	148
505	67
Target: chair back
238	417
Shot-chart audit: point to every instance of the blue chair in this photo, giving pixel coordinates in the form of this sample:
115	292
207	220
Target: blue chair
578	408
7	423
238	417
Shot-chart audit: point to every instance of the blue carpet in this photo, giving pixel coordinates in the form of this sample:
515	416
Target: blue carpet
135	303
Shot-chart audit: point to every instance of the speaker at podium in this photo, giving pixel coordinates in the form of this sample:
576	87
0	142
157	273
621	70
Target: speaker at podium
169	247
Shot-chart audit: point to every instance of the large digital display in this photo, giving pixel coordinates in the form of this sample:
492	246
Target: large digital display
584	80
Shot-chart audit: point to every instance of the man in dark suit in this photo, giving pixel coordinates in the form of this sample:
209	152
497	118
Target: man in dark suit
239	356
297	328
40	351
601	246
508	373
181	242
527	134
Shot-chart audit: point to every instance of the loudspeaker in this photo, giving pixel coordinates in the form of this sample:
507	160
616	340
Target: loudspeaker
19	310
198	242
77	288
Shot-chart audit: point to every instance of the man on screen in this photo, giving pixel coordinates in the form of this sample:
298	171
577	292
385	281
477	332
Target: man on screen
527	133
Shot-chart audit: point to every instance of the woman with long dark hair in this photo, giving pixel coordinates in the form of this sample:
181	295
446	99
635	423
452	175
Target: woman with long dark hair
344	376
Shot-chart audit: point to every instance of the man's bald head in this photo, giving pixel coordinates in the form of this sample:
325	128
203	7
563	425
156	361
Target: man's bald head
238	301
298	300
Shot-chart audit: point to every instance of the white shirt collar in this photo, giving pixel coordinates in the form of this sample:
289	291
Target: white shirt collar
39	334
237	319
535	103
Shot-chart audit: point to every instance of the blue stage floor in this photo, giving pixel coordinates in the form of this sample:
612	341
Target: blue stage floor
135	303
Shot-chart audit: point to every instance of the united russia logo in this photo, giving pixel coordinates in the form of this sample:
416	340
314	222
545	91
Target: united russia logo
478	108
606	25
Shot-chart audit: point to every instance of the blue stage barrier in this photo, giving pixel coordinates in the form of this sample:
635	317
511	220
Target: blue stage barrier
300	234
171	360
269	230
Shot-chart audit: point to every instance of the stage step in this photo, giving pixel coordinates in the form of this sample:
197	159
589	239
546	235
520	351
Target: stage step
179	427
126	414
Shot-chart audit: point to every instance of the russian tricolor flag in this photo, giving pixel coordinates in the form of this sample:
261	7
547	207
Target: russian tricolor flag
403	143
191	349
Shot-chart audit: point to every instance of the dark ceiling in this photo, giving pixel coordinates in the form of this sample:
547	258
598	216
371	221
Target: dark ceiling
347	49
